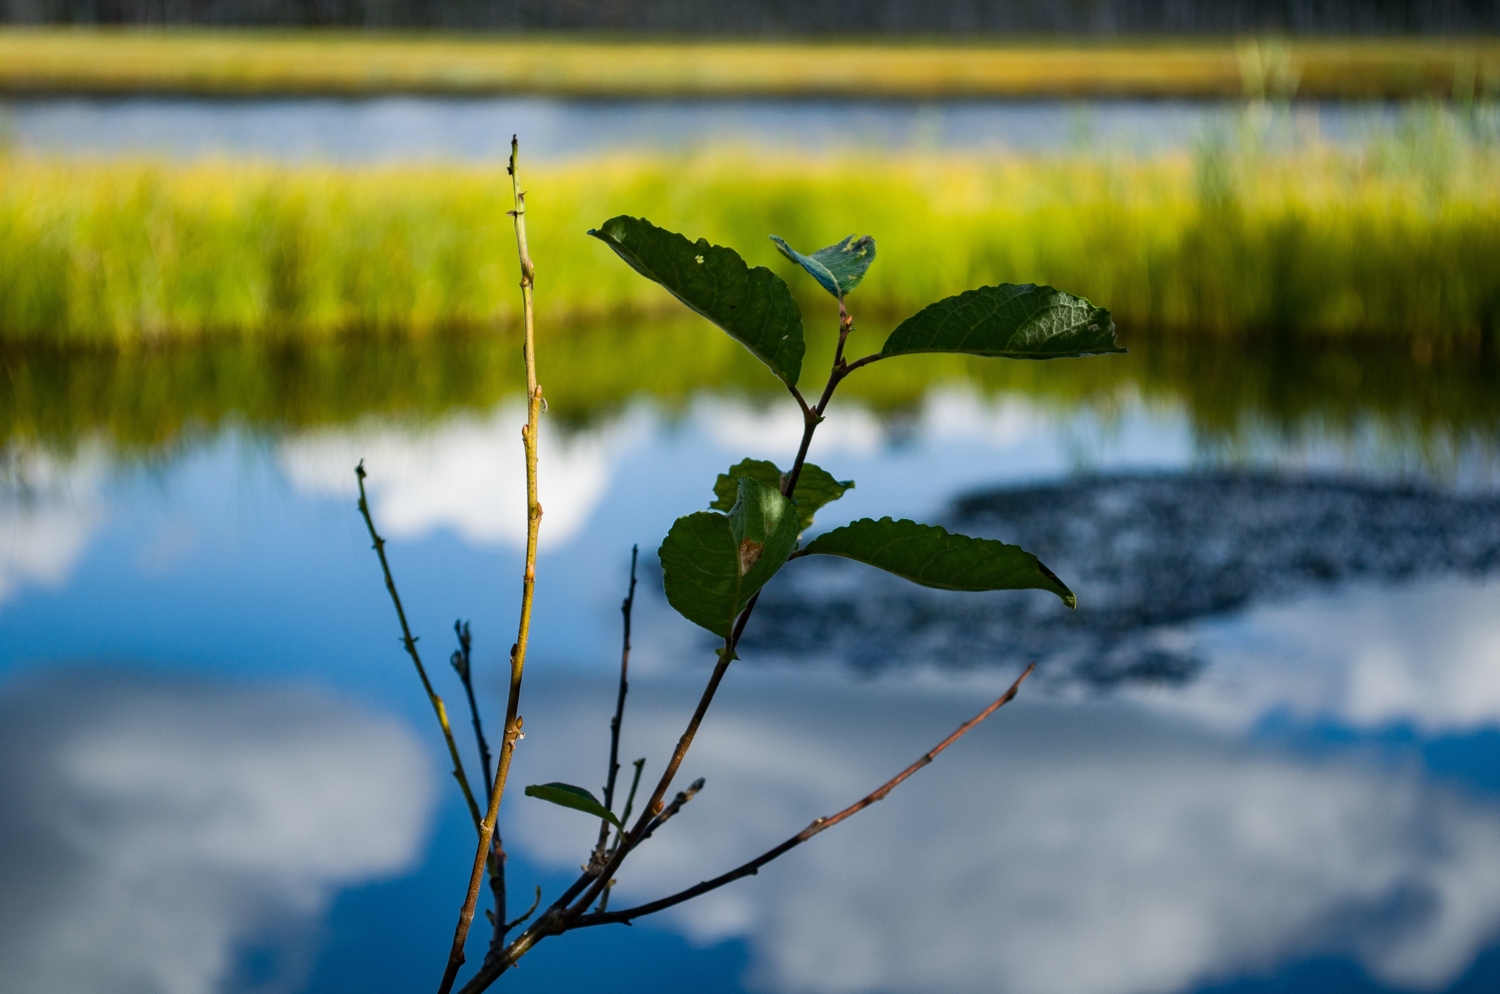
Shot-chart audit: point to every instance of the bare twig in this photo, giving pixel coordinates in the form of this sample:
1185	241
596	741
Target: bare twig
597	878
818	825
460	662
683	796
614	725
528	583
635	782
563	912
529	911
411	650
873	357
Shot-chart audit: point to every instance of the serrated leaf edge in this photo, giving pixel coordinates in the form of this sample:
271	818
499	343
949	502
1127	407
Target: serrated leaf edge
1067	597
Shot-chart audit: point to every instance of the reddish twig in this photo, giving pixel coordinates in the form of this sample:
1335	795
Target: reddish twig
818	825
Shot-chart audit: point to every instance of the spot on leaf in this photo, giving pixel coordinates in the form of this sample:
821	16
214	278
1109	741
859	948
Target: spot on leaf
749	554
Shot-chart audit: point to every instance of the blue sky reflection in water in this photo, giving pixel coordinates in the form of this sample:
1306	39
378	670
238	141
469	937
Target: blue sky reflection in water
221	773
391	129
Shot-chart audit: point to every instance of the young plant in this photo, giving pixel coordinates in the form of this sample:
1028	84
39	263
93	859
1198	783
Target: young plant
715	562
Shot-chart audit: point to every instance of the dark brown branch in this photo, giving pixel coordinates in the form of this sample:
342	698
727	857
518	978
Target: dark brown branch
726	655
559	917
460	661
683	796
411	650
873	357
635	782
819	825
497	892
614	725
529	911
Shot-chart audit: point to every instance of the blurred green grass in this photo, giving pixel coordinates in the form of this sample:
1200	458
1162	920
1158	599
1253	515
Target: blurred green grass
241	62
1245	237
1422	408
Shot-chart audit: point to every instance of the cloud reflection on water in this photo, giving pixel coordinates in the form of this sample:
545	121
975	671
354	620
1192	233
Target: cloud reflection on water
151	827
49	510
466	475
1076	850
1426	656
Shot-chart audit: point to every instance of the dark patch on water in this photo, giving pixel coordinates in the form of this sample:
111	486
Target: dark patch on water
1147	555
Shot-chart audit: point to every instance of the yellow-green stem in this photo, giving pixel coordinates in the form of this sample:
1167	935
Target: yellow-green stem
528	584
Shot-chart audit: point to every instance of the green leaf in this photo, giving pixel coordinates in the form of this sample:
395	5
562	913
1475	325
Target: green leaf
815	487
753	305
934	557
570	796
1023	321
713	563
839	267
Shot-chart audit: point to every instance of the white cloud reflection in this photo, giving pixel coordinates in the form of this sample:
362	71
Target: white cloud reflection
466	474
49	510
149	828
1426	655
1058	850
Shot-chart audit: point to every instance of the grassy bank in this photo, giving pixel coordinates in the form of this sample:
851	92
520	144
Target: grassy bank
249	62
1401	240
1420	409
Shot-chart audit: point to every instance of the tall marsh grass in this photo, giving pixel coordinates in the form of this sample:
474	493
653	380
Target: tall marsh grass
240	62
1243	237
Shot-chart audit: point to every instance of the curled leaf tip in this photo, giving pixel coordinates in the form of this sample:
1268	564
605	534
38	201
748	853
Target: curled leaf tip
1067	595
839	267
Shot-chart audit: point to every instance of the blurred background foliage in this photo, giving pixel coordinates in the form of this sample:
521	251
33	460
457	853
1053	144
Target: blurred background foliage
1256	233
779	18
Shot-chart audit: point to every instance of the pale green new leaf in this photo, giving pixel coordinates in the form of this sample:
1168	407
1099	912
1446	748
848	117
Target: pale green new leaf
934	557
839	267
712	563
753	305
815	487
1023	321
569	796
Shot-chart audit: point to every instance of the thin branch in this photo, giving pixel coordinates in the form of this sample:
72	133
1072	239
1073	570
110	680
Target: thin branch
818	825
726	655
460	662
411	649
614	725
846	325
635	782
801	402
528	584
558	918
497	893
873	357
683	796
529	911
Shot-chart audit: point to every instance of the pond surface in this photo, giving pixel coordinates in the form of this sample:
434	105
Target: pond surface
1261	756
473	129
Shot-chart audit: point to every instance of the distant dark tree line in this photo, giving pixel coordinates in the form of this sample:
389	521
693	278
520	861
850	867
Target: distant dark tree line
800	17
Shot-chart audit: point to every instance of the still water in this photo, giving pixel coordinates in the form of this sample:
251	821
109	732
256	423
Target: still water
391	129
1261	756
